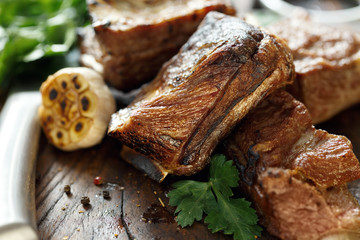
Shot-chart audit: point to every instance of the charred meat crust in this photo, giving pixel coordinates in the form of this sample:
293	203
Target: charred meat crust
299	171
224	69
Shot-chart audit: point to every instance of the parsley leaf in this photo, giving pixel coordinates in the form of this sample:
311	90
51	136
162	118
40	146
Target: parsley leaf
198	199
223	175
232	216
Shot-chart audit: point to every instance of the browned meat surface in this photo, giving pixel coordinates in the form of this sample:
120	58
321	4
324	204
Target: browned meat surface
224	70
327	63
133	38
296	175
91	50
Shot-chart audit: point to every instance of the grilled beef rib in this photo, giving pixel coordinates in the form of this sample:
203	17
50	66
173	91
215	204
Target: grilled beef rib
295	174
131	39
224	70
327	65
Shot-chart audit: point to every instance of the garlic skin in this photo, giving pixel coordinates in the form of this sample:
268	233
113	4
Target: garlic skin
76	108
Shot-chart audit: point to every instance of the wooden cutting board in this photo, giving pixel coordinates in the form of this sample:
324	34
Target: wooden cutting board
138	207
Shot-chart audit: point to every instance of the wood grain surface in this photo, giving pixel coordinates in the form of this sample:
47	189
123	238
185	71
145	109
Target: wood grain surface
138	207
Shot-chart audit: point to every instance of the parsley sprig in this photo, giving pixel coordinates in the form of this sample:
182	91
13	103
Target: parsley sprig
232	216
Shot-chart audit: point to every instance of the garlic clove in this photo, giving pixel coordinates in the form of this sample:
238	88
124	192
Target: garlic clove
76	108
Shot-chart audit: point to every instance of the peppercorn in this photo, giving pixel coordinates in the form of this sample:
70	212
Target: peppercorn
85	201
67	189
98	180
106	194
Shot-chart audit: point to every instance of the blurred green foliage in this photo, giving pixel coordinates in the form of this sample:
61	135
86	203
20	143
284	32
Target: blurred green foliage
35	35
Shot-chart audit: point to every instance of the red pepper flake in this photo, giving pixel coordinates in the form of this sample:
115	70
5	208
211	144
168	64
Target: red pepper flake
98	181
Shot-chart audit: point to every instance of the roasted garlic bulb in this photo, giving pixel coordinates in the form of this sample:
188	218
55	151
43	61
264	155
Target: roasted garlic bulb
76	108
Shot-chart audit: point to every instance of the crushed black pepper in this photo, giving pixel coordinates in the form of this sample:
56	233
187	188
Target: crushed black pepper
67	189
106	194
85	201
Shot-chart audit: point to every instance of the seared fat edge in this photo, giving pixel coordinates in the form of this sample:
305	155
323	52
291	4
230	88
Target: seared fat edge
225	68
76	108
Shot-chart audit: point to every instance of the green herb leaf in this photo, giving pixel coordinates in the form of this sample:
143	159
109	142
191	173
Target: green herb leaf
232	216
192	199
223	175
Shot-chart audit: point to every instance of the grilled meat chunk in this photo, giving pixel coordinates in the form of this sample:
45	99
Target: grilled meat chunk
296	175
224	70
136	37
327	64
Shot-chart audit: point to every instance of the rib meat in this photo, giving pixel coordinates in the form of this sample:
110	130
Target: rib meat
296	175
327	64
224	70
133	38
